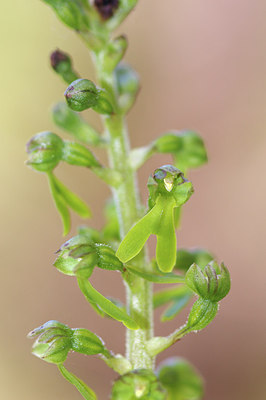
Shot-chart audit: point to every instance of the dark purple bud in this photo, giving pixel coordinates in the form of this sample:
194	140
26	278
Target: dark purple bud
106	8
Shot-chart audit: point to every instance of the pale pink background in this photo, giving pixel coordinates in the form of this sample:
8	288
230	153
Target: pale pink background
202	65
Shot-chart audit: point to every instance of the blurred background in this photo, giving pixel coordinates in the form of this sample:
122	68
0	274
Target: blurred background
202	66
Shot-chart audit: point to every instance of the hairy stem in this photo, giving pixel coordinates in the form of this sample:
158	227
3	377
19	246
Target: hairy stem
126	197
139	291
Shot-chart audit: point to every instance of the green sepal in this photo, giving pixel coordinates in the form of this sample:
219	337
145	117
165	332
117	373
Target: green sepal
127	82
62	65
139	384
72	200
86	342
53	324
201	315
96	298
185	258
53	343
71	13
60	204
55	352
213	283
86	392
178	297
77	154
180	379
187	148
71	122
155	277
63	199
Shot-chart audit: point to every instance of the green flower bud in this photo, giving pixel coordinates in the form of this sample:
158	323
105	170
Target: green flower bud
83	94
71	122
86	342
76	154
187	147
127	85
70	12
180	379
62	64
185	258
45	151
139	384
112	54
53	343
211	284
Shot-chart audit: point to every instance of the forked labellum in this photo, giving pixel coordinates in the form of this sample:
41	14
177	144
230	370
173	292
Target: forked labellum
168	190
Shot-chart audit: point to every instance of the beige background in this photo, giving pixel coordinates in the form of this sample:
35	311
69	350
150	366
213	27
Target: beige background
202	65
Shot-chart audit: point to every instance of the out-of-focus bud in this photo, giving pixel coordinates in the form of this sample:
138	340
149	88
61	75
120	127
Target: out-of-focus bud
45	151
83	94
86	342
186	146
76	154
54	342
139	384
180	379
106	8
70	12
71	122
62	64
112	54
211	284
186	257
127	85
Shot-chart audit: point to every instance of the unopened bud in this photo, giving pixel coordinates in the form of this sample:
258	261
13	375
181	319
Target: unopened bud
61	63
112	53
211	284
106	8
45	151
76	154
71	122
86	342
127	85
186	146
83	94
70	12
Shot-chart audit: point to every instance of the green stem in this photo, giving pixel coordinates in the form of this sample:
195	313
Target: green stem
126	197
139	291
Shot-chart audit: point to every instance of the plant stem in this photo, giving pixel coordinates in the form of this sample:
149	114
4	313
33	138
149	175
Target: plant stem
126	197
139	291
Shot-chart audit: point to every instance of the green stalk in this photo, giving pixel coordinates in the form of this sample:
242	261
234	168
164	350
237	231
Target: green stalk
126	197
139	291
